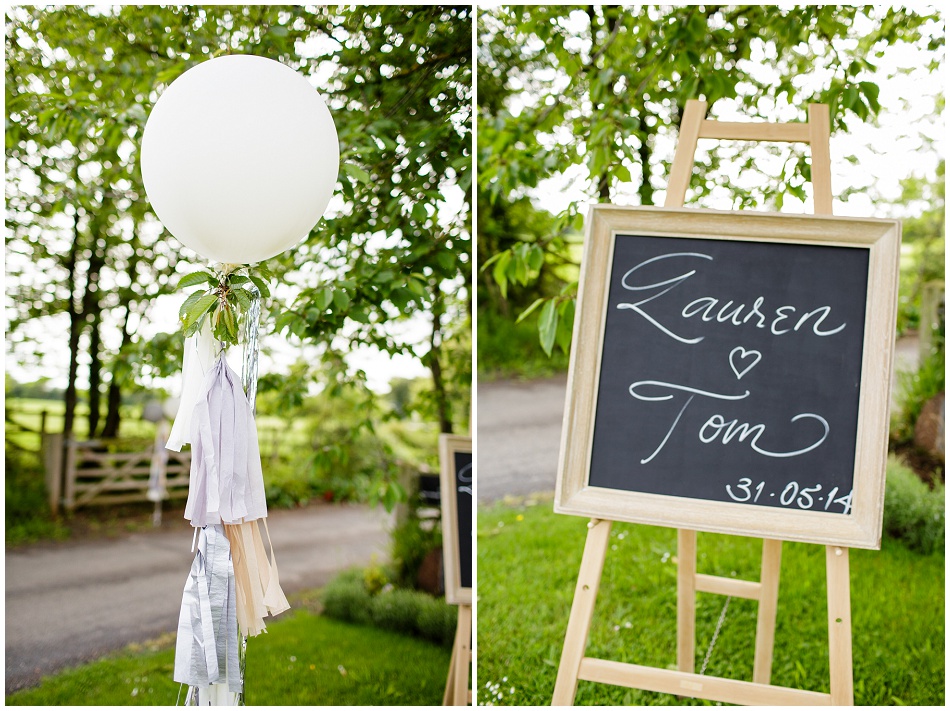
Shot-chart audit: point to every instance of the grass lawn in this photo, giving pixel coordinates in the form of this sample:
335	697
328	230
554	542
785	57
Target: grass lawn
529	557
304	659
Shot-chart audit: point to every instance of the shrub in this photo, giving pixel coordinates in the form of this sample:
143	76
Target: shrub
346	598
916	388
412	540
28	517
436	620
375	578
404	611
396	610
913	512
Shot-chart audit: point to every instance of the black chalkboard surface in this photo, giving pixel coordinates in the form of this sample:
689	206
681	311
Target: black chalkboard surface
463	507
456	480
731	371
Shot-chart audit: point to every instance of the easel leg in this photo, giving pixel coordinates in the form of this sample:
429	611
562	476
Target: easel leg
448	698
839	626
463	655
768	607
582	611
686	600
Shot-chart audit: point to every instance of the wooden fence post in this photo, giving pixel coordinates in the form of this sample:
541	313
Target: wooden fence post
51	450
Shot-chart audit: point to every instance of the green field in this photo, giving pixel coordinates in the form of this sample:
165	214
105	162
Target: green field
528	560
274	433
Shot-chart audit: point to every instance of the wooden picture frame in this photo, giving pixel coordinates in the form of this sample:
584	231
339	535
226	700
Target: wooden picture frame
861	527
449	446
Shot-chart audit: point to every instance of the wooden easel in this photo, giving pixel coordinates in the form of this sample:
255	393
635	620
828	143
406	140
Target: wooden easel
457	692
684	681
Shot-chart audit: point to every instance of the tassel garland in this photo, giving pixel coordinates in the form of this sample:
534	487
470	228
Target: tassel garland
233	584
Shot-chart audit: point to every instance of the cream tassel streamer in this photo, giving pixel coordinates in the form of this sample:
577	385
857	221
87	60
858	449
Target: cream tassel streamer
258	584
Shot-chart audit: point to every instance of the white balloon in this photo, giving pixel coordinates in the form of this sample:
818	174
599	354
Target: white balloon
239	158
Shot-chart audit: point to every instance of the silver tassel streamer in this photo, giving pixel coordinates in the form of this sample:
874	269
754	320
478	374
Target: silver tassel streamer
207	647
249	379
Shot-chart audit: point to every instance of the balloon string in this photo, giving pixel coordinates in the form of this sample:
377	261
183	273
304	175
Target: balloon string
252	349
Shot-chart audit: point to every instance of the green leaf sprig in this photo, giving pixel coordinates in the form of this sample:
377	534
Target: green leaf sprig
225	299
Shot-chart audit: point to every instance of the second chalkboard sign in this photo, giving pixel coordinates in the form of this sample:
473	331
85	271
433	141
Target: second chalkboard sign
730	372
457	476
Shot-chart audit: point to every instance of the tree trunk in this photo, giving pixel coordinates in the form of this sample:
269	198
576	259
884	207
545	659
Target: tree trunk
95	374
644	152
92	312
435	365
75	330
114	398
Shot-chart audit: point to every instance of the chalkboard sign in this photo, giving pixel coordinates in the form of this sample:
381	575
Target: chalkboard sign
457	479
730	372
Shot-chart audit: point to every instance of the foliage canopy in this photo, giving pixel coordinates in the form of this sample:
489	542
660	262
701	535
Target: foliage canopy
595	95
394	244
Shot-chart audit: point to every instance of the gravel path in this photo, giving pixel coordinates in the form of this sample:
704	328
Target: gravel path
73	602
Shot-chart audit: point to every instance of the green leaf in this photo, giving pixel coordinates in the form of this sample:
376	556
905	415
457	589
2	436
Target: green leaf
359	315
322	299
417	285
243	298
490	261
419	213
565	325
401	297
261	286
341	299
524	314
547	326
536	258
263	271
499	273
230	324
284	319
354	171
198	309
849	97
188	303
195	278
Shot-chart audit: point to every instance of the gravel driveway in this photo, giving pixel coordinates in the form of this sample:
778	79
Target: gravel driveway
72	602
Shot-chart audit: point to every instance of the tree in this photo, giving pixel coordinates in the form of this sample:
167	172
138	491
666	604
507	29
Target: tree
83	243
599	92
403	92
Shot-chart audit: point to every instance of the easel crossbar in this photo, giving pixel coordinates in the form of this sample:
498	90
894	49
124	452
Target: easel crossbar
756	131
748	589
667	681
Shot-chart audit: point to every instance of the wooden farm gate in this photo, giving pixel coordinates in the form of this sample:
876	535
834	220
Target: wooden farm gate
95	475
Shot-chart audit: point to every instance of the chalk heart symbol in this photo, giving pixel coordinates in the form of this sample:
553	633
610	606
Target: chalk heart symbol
740	358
